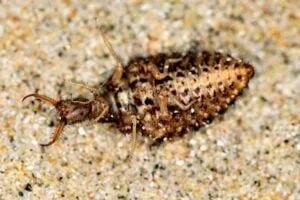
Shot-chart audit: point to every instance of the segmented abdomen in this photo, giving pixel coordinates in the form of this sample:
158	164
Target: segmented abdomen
195	89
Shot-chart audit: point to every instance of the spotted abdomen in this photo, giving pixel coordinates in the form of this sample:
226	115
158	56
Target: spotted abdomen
186	91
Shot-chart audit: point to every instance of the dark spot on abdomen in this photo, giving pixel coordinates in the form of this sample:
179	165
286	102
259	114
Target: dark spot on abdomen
149	101
167	78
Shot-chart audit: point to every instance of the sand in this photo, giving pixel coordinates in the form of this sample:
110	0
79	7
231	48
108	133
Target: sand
250	152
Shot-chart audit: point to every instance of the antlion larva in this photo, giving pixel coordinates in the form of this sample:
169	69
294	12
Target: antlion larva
160	96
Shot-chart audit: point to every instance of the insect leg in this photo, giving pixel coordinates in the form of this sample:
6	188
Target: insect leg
117	75
103	113
134	134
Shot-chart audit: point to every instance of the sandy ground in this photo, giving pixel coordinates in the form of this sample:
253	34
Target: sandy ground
251	152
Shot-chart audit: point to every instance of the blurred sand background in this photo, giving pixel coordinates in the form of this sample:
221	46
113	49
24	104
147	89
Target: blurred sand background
251	152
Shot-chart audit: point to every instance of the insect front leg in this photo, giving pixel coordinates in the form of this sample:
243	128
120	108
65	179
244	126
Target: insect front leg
117	75
134	133
105	108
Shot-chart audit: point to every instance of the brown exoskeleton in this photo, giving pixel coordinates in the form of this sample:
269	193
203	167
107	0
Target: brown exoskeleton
159	96
73	111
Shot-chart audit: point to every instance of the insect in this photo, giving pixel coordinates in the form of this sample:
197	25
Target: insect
160	96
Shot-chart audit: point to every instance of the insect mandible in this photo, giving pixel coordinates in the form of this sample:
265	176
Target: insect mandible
159	96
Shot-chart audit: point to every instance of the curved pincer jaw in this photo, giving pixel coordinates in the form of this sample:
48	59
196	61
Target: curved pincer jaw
42	98
53	102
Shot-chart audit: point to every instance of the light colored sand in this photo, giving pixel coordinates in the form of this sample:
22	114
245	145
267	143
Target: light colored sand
252	152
